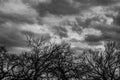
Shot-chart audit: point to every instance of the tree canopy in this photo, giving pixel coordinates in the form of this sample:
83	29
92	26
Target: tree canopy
53	61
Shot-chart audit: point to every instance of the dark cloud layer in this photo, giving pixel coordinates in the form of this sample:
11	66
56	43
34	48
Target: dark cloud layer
75	26
106	36
60	31
66	7
57	7
10	37
98	2
15	18
27	14
117	20
108	33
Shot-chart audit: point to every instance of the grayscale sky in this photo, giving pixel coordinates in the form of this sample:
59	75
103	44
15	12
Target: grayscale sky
83	23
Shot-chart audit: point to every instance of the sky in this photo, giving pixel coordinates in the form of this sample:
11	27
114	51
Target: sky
82	23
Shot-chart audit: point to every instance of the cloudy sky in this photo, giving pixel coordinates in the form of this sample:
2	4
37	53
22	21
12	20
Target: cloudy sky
83	23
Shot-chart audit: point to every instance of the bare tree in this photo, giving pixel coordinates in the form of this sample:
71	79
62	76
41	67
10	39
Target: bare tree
34	64
49	60
7	63
3	72
105	64
63	65
46	60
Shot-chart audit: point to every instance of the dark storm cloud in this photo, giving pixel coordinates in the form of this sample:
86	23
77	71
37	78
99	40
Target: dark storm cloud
76	25
117	20
10	37
2	20
108	33
60	31
108	28
105	2
92	38
57	7
15	18
87	22
77	29
98	2
24	12
36	2
106	36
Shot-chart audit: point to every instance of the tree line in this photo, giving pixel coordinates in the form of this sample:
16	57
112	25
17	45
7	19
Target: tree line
51	61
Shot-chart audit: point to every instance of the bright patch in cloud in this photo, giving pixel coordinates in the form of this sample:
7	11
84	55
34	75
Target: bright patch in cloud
91	31
100	13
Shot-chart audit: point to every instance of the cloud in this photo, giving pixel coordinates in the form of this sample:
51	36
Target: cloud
109	32
57	7
15	18
98	2
55	20
70	28
83	23
97	15
17	10
105	2
36	2
106	36
97	24
91	36
43	1
52	19
13	34
83	45
36	28
104	19
60	31
40	30
91	31
117	20
10	35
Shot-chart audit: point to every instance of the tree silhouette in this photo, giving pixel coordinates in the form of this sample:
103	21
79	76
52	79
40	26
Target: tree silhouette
44	58
3	72
51	61
7	63
105	64
48	60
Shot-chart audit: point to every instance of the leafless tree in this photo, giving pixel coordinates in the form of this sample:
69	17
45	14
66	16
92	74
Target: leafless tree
7	63
49	60
105	64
